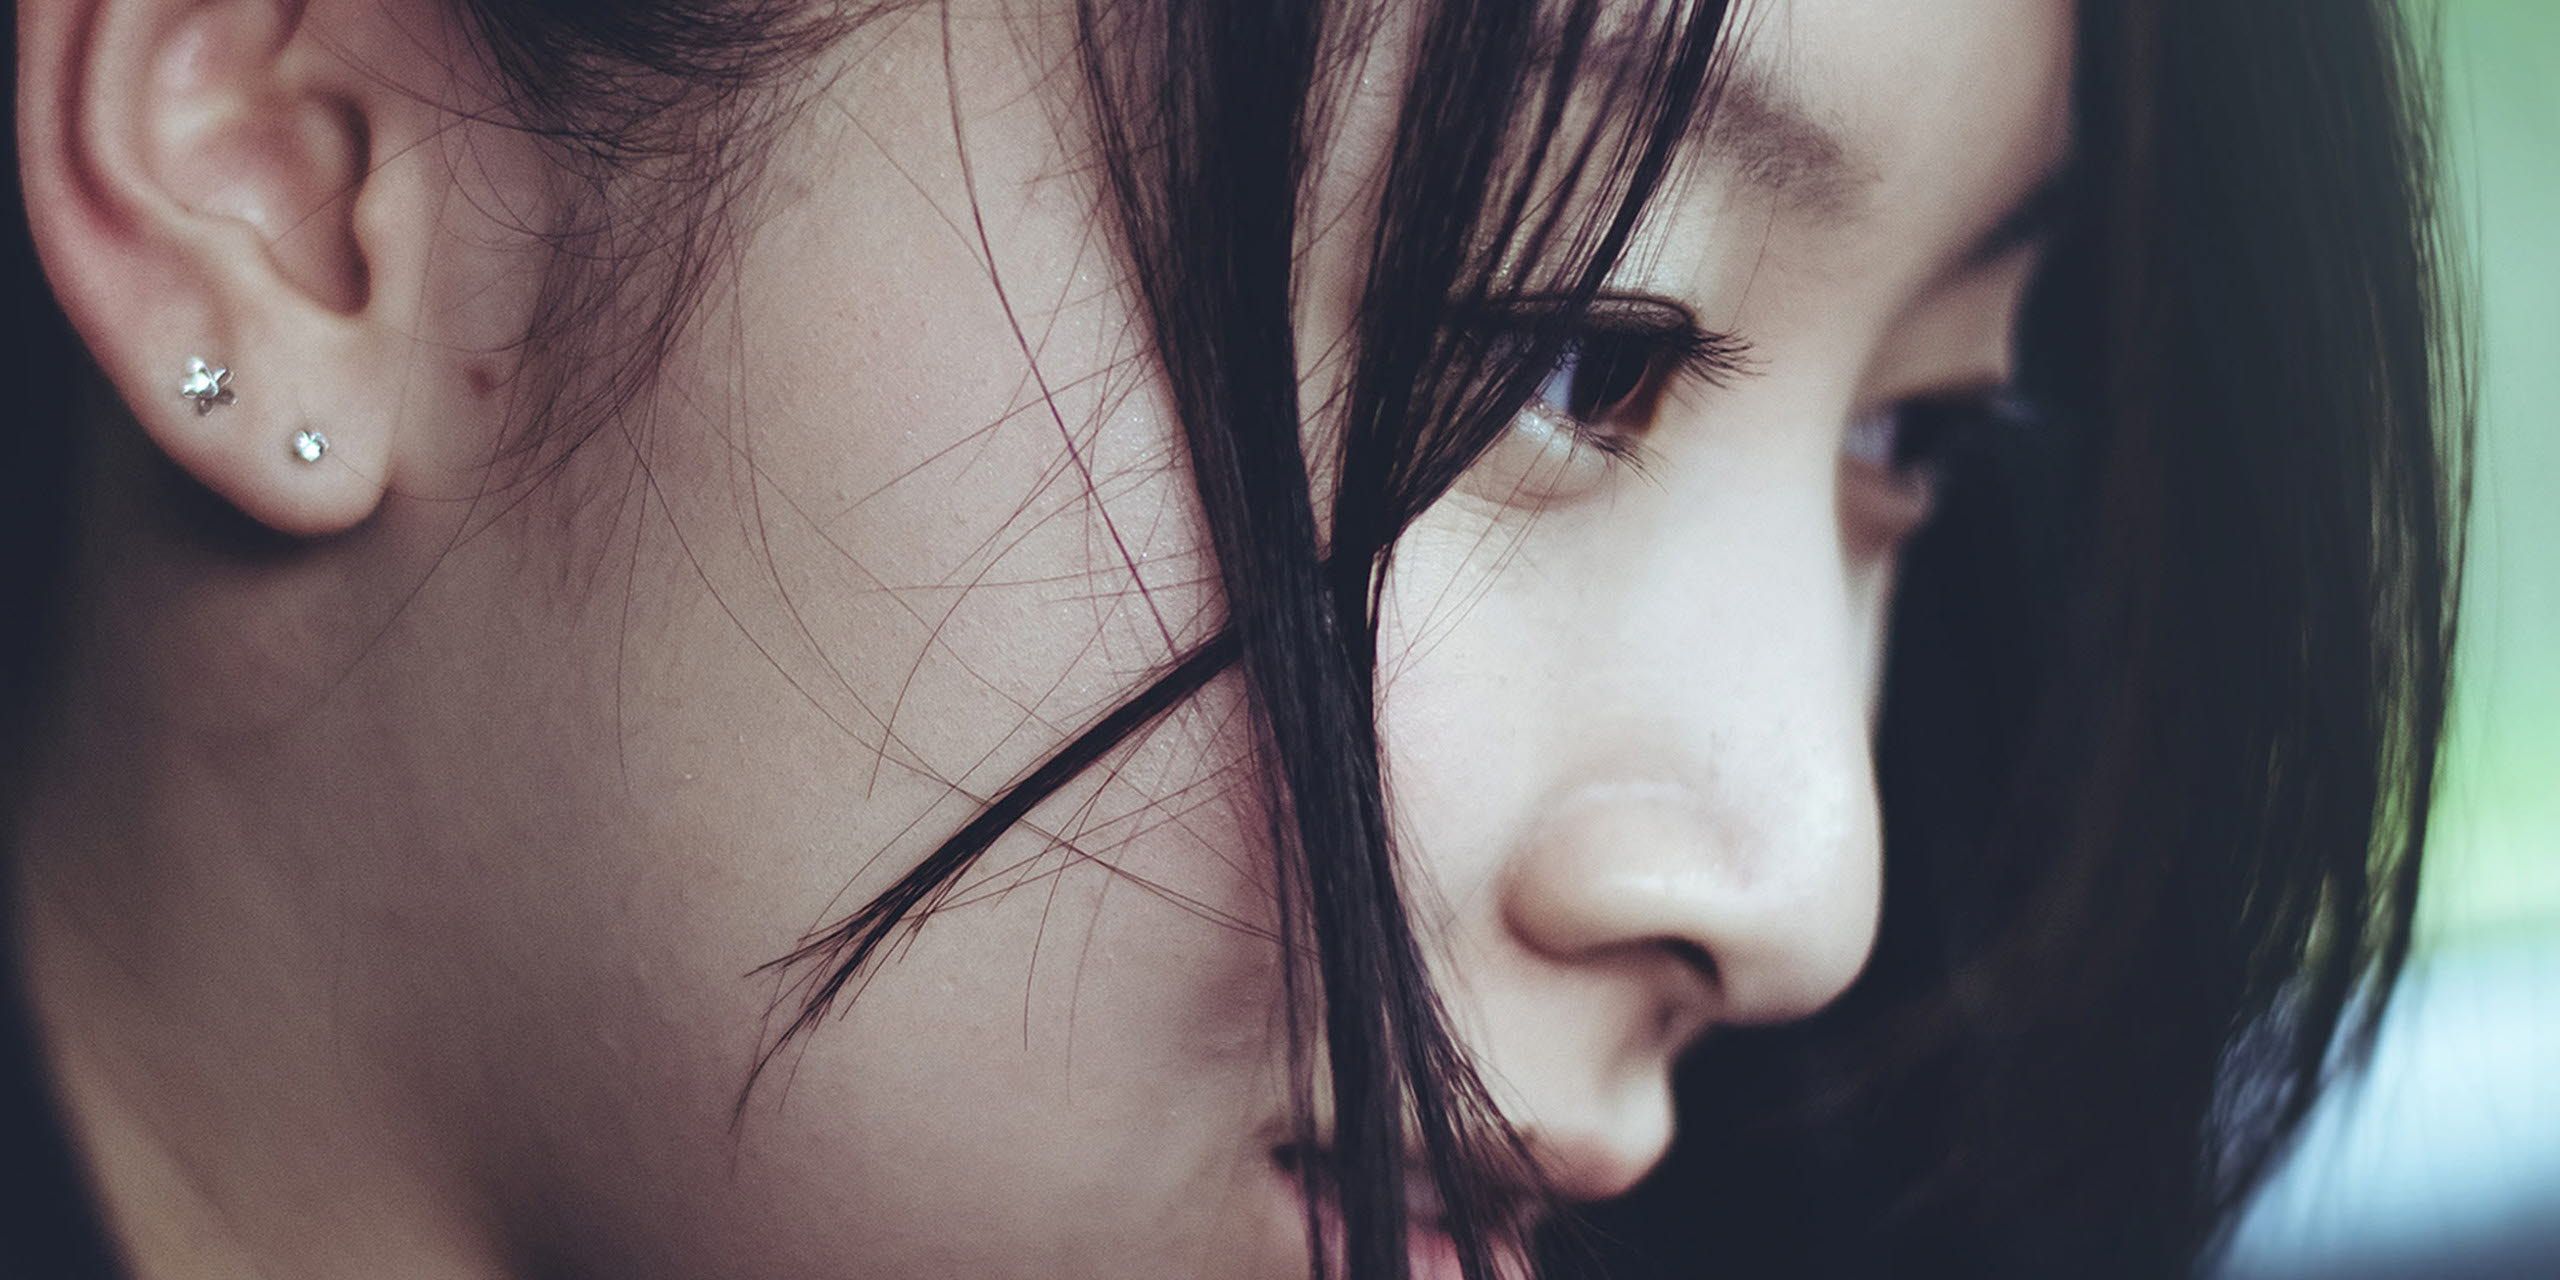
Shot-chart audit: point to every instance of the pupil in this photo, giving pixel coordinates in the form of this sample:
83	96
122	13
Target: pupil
1604	373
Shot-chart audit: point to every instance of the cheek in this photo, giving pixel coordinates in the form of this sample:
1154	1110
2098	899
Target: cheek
1072	1061
1466	619
955	554
878	566
845	636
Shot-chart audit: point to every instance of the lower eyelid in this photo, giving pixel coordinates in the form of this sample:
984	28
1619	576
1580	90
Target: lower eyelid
1542	456
1886	504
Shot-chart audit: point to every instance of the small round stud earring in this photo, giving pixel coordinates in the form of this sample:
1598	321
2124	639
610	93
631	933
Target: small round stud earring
206	384
309	445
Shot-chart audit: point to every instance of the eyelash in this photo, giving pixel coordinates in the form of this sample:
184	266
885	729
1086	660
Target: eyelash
1668	345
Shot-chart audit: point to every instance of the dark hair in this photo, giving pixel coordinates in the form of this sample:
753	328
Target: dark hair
2167	681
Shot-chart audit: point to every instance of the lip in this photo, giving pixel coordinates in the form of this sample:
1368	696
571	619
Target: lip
1431	1252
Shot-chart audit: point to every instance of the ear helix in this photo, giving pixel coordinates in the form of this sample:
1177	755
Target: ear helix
208	385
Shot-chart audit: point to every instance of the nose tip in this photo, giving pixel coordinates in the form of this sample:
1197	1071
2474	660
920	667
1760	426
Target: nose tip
1756	919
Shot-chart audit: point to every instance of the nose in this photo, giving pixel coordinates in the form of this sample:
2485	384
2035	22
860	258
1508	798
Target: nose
1747	908
1641	774
1656	895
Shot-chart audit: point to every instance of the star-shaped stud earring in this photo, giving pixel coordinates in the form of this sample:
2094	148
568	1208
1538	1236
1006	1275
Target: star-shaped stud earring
207	385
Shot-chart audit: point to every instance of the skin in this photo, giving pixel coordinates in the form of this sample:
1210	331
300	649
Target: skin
389	890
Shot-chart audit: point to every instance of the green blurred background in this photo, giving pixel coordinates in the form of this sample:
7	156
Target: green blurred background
2496	850
2440	1156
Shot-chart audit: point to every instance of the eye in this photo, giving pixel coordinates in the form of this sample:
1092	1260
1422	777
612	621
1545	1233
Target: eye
1893	457
1593	405
1883	440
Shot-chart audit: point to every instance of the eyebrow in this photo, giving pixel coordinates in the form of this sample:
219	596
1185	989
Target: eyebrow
1773	140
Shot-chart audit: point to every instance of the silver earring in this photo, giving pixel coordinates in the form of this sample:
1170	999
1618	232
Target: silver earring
309	445
206	384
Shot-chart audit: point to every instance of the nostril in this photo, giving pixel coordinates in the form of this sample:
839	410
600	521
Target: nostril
1694	957
1686	1005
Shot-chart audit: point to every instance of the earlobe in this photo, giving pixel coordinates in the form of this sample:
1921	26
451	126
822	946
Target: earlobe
197	174
277	480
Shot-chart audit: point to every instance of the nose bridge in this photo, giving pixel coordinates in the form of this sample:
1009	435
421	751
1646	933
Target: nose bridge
1716	801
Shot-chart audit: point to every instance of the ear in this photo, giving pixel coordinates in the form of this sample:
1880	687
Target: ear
215	181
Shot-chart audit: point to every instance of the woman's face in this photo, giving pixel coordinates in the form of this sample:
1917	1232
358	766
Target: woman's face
892	533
